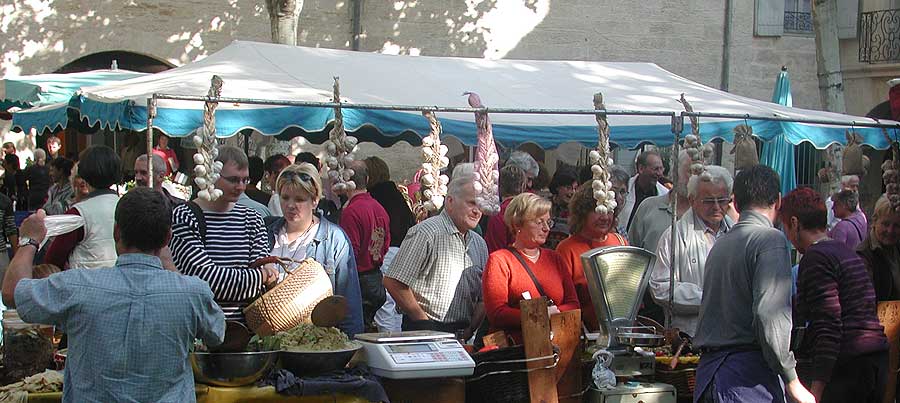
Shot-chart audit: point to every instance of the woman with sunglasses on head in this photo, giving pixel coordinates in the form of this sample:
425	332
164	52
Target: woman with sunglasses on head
525	270
300	234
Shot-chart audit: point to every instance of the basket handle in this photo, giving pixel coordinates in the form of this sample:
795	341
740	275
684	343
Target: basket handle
555	358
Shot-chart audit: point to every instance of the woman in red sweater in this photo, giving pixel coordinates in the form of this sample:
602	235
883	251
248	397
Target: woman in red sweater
506	276
589	230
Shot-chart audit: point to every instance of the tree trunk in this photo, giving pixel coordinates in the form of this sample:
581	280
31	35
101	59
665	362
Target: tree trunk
283	18
828	55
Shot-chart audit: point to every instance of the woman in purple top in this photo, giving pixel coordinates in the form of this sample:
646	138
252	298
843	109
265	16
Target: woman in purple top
835	297
852	228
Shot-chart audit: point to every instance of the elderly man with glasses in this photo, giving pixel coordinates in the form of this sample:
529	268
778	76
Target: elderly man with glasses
217	240
695	234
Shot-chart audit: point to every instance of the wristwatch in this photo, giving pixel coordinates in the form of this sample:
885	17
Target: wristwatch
23	241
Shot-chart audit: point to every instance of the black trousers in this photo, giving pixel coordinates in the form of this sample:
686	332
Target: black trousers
859	379
449	327
373	295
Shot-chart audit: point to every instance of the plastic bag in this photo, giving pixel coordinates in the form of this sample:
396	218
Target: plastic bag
603	376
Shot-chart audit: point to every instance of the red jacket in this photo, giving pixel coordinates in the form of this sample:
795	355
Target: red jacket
504	280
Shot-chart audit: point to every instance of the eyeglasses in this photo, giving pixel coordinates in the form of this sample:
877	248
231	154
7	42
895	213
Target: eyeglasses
540	223
716	202
237	180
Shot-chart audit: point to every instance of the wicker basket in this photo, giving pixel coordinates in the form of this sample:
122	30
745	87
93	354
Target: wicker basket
683	378
291	302
501	376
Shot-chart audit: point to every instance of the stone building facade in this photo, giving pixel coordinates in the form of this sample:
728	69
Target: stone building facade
683	36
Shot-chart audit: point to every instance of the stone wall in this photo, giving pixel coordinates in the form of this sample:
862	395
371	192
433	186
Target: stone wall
683	36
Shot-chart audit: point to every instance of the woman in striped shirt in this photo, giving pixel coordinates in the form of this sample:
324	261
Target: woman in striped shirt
836	299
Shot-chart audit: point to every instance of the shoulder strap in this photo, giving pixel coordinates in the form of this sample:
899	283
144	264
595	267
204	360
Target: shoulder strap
858	231
201	219
531	274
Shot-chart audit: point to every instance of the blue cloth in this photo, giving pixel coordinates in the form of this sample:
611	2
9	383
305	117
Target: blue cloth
357	381
739	376
331	248
130	328
778	152
260	209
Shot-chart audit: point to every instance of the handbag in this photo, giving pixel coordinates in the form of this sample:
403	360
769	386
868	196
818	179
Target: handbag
531	274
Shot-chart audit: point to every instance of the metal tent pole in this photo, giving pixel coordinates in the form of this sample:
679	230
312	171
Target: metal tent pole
677	128
151	113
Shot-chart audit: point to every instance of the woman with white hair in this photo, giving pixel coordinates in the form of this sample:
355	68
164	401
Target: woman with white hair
300	234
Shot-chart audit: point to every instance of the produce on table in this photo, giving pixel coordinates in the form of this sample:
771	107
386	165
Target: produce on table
44	382
309	337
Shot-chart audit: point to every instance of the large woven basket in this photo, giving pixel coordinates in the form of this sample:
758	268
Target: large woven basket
291	302
683	378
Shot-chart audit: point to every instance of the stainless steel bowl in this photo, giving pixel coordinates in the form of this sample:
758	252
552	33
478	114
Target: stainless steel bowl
640	339
231	369
308	363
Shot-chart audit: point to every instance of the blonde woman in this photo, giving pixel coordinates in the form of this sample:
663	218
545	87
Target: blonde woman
525	267
881	251
300	234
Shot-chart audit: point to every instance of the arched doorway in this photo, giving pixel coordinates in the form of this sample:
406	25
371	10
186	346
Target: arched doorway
74	138
124	59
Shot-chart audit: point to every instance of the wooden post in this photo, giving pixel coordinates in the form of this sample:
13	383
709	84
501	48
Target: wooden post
536	335
566	327
889	316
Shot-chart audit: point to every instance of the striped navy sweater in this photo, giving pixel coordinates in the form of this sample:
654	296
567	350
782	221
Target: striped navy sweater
234	239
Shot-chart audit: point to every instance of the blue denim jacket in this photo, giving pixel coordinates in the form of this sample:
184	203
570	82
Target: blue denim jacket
331	248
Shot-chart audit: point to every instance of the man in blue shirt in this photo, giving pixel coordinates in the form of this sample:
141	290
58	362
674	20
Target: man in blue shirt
130	326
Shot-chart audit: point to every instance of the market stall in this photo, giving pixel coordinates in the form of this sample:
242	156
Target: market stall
43	99
537	101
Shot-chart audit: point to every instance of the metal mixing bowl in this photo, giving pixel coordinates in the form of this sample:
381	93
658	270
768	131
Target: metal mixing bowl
308	363
231	369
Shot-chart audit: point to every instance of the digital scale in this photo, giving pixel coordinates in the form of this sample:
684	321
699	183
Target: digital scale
415	354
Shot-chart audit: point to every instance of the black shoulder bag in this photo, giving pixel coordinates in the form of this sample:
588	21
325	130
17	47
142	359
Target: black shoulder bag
531	274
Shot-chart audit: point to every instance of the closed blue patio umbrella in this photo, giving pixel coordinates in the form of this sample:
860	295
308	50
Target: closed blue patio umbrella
778	153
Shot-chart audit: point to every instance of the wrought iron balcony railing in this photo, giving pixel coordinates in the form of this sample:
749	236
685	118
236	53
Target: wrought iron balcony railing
879	36
798	22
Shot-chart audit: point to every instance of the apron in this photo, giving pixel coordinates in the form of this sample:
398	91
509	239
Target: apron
738	376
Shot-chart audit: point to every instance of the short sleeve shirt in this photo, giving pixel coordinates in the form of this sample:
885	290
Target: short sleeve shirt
130	328
443	268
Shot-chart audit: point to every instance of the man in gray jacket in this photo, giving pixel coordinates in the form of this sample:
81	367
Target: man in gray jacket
745	317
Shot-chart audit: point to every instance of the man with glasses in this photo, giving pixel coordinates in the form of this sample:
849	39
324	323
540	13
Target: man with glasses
217	240
695	234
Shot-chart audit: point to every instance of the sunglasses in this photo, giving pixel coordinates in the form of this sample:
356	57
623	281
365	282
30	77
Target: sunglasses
717	202
299	175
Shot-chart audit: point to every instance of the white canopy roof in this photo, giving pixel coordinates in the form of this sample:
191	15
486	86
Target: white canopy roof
278	72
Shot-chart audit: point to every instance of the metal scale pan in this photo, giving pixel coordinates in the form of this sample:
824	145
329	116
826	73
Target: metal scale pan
617	278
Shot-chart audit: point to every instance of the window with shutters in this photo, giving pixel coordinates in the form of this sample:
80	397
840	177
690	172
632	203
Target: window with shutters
798	16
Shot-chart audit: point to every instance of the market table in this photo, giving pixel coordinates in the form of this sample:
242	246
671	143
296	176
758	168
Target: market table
246	394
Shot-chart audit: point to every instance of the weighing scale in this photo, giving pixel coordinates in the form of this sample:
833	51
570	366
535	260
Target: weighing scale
617	278
415	354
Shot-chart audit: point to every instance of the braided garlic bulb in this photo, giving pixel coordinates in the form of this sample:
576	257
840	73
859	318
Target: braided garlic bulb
435	159
601	162
207	169
340	148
